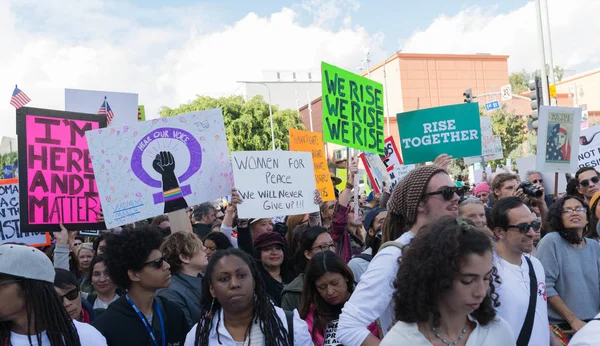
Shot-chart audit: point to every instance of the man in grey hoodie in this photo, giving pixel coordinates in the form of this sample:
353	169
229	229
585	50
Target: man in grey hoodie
185	254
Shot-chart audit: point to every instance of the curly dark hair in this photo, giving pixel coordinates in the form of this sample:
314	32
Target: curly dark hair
431	264
129	250
322	263
275	334
555	224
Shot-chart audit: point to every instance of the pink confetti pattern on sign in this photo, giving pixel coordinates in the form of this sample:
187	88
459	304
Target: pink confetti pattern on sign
125	129
183	120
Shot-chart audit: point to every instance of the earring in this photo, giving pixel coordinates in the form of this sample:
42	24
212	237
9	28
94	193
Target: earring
255	299
209	314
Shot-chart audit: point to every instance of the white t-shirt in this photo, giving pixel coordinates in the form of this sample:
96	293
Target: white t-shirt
496	333
330	331
88	335
514	298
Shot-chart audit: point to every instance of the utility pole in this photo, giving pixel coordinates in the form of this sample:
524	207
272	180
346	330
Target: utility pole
541	46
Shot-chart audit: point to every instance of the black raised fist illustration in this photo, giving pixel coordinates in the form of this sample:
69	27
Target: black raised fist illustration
164	164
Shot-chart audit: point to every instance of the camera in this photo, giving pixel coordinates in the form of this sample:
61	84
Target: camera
531	190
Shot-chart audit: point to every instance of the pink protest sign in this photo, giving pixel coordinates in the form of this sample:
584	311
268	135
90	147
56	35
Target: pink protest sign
57	182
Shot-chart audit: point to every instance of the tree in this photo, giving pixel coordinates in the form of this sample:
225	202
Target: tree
510	128
247	123
520	80
8	159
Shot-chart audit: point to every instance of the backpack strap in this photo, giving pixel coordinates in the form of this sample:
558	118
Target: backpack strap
364	256
391	243
289	316
527	328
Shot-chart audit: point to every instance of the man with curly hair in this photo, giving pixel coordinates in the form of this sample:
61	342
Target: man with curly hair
134	262
425	195
515	227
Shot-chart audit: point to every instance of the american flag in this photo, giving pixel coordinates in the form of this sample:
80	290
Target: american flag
106	111
19	99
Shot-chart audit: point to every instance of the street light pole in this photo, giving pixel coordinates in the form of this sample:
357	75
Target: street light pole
270	110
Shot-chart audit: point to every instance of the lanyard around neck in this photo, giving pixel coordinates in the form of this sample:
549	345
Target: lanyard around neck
145	321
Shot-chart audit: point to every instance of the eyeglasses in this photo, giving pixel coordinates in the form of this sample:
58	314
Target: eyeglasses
447	192
72	294
325	247
572	210
524	227
157	263
9	282
535	181
586	182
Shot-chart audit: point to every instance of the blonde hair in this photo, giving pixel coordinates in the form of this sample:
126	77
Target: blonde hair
180	243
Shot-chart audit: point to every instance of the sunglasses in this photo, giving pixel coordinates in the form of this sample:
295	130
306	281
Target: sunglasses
447	192
535	181
72	294
524	227
157	263
586	182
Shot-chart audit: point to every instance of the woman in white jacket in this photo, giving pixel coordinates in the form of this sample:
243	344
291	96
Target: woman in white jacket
235	308
444	290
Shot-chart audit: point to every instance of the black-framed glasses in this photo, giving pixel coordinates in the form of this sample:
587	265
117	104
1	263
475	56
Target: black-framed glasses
536	181
157	263
9	282
447	192
325	247
582	210
586	182
524	227
72	294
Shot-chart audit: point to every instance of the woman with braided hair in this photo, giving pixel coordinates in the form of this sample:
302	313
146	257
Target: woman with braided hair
235	308
31	313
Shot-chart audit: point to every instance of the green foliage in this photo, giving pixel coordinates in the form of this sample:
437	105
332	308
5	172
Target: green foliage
7	160
247	123
520	80
511	129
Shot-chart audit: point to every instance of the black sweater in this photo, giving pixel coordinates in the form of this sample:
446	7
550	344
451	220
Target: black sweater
121	325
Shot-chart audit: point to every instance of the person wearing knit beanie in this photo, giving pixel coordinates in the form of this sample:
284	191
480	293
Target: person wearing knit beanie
424	195
482	191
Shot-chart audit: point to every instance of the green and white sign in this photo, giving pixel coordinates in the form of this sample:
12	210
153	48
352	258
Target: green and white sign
454	130
352	110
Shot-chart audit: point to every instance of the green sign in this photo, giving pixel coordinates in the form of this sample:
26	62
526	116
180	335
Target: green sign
454	130
352	110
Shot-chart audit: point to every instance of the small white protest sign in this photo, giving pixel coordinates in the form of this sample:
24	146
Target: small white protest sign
274	183
589	147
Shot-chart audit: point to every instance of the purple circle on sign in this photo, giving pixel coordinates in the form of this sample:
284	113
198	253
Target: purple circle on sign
192	144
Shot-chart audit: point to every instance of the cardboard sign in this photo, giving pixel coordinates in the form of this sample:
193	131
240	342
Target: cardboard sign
160	166
491	149
589	147
57	181
313	142
9	218
274	183
123	105
141	113
558	139
393	162
454	130
352	110
376	171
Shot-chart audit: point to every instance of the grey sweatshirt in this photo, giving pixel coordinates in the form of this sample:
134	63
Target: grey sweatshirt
573	274
185	291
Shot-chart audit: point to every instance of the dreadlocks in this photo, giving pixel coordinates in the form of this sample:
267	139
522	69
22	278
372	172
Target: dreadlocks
45	311
264	313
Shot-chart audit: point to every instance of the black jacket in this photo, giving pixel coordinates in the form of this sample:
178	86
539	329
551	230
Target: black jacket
121	325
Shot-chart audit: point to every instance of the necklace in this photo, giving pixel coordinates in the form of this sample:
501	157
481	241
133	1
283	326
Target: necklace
437	335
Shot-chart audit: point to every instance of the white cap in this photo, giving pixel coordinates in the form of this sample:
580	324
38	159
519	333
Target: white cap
26	262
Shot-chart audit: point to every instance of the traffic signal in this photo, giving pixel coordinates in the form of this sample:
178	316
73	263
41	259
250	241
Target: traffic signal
536	96
468	94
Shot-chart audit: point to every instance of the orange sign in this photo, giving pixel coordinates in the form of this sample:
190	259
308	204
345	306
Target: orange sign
313	142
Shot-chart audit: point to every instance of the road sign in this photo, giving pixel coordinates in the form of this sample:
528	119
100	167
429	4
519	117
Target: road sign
552	89
490	106
506	92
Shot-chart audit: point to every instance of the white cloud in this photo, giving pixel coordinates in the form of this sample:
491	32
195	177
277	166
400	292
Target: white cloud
478	30
111	46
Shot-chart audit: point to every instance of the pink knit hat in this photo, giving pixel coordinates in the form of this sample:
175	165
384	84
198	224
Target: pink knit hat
481	187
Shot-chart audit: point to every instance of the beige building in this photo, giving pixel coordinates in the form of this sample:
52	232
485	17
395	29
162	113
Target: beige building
581	90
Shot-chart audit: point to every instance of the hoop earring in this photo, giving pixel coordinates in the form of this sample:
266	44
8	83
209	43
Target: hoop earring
209	314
